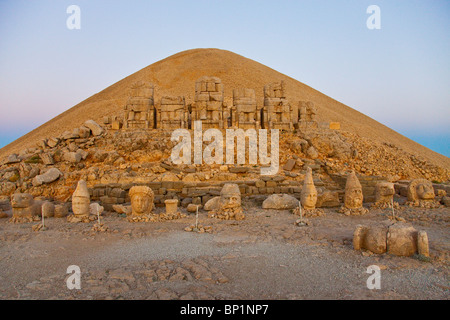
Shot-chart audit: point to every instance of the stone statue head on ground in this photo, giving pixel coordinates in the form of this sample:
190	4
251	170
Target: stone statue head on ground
21	200
141	200
230	197
420	189
353	198
229	203
384	192
81	200
24	207
384	196
309	192
421	194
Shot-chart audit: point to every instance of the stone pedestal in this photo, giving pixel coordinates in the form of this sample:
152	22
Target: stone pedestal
171	206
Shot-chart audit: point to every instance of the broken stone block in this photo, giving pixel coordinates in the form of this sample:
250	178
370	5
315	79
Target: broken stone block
51	175
238	169
106	120
328	199
82	153
96	209
94	127
7	187
193	207
312	153
69	135
280	202
47	159
260	184
83	132
116	125
289	165
52	142
122	209
12	158
72	157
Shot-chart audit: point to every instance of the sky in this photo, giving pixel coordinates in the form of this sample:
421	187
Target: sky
399	74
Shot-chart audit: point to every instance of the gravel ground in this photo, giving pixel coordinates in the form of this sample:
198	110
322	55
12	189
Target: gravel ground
263	257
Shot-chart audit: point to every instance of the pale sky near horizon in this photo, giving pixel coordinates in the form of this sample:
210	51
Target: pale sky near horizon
398	75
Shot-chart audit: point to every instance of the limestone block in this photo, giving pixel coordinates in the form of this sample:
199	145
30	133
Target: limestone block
83	132
82	153
72	157
116	125
193	207
47	158
328	199
280	201
49	176
289	165
12	158
52	142
94	127
69	135
171	206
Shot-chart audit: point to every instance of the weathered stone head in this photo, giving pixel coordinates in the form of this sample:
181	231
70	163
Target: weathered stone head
24	207
420	189
21	200
230	197
353	198
308	196
81	200
141	200
384	192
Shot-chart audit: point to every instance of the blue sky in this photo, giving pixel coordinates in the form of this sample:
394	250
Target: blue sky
398	75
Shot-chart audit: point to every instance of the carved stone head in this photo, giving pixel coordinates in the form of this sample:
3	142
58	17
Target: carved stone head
353	198
81	200
420	189
141	200
21	200
384	192
308	196
230	197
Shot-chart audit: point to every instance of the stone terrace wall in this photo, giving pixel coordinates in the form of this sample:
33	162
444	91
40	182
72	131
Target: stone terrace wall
193	192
